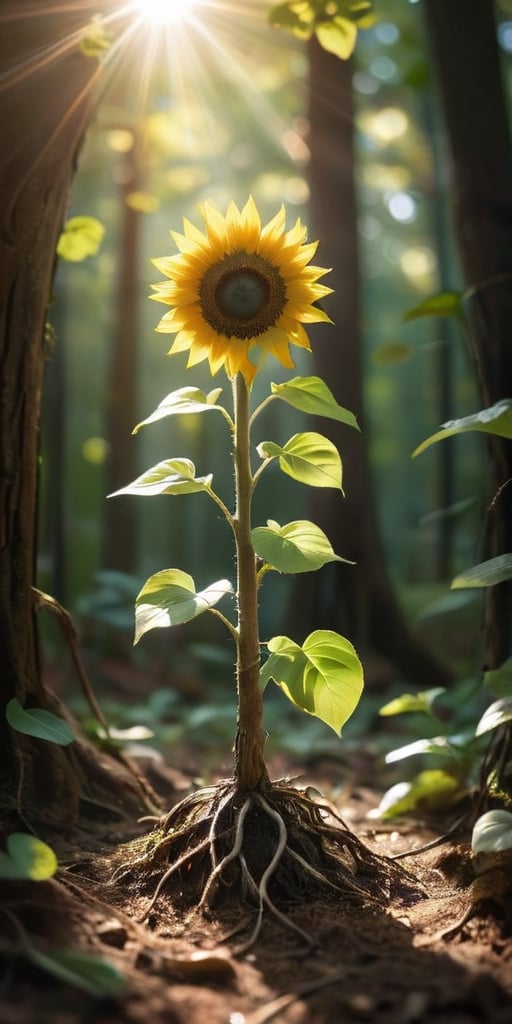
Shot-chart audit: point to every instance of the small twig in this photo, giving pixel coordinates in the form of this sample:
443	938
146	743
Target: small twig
70	635
438	841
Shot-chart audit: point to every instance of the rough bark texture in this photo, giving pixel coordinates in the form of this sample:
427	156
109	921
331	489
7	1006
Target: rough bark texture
467	60
358	601
45	104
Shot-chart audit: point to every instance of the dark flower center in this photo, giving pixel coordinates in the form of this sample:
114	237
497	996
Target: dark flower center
242	295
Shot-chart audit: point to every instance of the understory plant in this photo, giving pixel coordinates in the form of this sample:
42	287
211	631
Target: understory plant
237	292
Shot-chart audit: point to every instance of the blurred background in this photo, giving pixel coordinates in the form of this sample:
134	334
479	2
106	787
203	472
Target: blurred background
220	106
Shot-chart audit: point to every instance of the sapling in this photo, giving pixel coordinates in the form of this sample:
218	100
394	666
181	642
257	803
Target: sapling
237	292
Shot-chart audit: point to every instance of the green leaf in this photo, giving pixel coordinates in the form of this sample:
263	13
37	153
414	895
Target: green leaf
497	714
297	16
492	832
391	353
172	476
486	574
296	547
184	400
169	598
439	745
499	680
324	677
88	973
311	395
95	40
338	36
422	701
80	238
310	458
497	419
27	857
442	304
432	789
38	722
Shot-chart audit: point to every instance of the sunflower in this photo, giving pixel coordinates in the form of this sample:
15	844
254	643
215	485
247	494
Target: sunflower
239	286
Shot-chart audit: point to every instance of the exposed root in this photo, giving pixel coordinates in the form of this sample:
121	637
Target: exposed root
220	846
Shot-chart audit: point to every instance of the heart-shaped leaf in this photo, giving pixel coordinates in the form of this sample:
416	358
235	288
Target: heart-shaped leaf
169	598
184	400
27	857
172	476
311	395
324	677
309	458
38	722
296	547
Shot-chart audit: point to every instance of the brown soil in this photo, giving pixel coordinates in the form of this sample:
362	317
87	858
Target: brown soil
445	955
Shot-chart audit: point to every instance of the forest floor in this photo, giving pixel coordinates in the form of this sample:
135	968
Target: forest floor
444	956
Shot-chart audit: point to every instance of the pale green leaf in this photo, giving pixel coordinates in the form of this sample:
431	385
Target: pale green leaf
184	400
169	598
324	677
433	789
422	701
497	714
338	36
95	39
497	419
309	458
486	574
499	680
81	237
88	973
311	395
172	476
391	353
27	857
38	722
439	745
442	304
492	832
296	547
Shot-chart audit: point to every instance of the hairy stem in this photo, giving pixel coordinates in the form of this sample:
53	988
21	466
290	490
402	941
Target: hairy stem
250	769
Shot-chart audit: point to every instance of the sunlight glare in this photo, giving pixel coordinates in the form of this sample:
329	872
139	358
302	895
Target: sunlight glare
164	12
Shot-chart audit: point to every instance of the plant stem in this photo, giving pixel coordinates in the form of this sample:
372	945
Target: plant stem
250	769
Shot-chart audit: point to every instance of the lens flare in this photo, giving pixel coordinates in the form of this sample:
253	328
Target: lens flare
164	12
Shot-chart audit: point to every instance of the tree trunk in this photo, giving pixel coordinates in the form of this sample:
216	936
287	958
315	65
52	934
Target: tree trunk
45	105
466	54
359	600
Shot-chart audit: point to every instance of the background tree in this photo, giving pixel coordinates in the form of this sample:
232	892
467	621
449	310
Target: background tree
46	102
359	600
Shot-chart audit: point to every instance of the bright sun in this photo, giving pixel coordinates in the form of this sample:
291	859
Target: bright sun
165	12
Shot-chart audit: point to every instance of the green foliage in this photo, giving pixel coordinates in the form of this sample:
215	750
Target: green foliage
80	238
497	419
88	973
422	701
430	790
311	395
492	832
95	40
499	680
324	677
446	304
486	574
169	597
27	857
334	23
499	713
38	722
309	458
184	400
295	547
172	476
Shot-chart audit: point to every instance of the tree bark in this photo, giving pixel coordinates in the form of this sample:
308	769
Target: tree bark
466	55
359	600
46	97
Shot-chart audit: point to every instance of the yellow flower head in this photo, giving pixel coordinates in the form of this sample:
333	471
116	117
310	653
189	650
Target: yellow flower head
238	286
